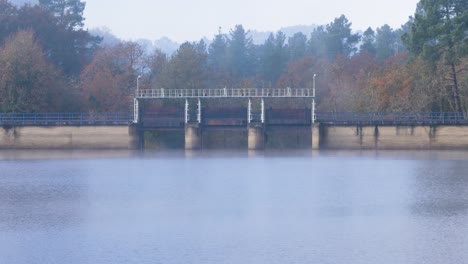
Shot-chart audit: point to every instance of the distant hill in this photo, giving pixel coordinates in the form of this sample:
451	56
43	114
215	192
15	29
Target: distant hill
166	45
169	46
108	39
259	37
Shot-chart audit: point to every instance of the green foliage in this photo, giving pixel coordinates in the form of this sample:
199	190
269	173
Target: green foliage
187	67
439	30
334	40
297	46
439	33
157	64
218	60
317	45
68	13
339	40
8	15
274	57
27	80
240	52
217	57
58	27
368	42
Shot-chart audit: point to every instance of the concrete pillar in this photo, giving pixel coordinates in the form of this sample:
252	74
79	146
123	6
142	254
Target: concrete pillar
256	136
193	136
315	136
137	140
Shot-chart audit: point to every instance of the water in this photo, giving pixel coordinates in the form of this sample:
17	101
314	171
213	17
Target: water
331	207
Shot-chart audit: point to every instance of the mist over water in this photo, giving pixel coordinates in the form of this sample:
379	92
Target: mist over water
215	207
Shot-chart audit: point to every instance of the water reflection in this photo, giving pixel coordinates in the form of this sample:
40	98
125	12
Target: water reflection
238	207
440	188
14	154
35	196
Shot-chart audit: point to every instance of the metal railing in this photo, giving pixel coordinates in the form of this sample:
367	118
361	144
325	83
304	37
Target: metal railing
388	118
332	118
225	92
55	119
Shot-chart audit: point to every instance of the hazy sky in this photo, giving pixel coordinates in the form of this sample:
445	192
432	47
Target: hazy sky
183	20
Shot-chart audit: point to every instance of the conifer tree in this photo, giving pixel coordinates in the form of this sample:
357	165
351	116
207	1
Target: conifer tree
439	34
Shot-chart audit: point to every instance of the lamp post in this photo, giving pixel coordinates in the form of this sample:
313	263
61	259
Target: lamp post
313	99
138	83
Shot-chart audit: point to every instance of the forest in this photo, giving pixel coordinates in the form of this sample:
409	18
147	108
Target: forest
50	63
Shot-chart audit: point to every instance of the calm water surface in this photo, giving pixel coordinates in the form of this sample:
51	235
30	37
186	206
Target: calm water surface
328	207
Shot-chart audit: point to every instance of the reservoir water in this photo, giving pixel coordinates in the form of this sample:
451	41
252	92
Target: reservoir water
210	207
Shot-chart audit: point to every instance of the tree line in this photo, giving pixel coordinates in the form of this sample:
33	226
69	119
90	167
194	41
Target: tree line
49	62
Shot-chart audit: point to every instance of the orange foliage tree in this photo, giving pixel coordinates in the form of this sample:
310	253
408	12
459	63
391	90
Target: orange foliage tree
108	83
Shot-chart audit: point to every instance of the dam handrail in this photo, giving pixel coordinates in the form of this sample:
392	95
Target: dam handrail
70	119
391	118
331	118
163	93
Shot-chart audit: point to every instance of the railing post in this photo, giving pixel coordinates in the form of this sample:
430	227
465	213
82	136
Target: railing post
187	118
199	111
262	116
313	99
135	111
313	110
249	111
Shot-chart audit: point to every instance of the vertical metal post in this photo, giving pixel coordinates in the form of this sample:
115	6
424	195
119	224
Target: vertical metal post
135	101
313	100
138	84
262	115
199	110
249	111
135	110
187	117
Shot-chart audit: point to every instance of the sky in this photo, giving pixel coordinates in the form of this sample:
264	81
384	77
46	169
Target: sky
188	20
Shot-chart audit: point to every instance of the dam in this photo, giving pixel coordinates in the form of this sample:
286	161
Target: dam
249	118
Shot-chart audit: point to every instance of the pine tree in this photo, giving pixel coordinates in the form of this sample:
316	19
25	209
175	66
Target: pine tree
69	13
368	42
240	53
438	34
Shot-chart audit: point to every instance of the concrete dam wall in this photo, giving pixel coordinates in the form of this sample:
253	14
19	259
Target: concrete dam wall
393	137
67	137
315	137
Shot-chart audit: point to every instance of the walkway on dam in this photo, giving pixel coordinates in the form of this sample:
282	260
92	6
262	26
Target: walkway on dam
329	118
226	93
66	119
